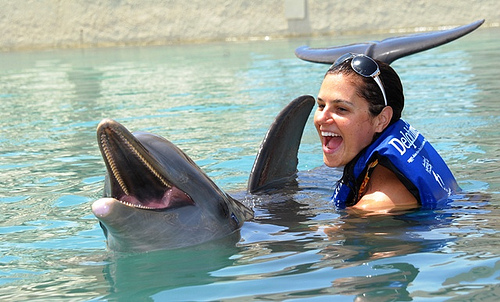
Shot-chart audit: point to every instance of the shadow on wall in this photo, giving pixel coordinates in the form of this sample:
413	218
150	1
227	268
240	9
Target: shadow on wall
297	17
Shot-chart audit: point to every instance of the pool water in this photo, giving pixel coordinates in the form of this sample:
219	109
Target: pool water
216	101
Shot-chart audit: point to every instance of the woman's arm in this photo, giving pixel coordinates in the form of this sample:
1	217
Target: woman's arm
385	193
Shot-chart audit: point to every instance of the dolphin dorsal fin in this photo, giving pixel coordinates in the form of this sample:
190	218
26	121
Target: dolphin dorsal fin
390	49
277	160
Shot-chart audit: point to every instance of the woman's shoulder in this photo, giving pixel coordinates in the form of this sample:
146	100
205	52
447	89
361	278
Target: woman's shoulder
385	193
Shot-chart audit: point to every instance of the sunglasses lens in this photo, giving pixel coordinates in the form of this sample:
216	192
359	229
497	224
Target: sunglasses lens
343	58
364	66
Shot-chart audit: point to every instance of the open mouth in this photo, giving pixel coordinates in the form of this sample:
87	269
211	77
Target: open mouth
135	176
331	140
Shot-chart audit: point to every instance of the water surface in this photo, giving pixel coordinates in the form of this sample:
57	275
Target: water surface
216	101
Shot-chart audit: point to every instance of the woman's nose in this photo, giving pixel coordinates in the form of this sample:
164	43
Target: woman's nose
325	117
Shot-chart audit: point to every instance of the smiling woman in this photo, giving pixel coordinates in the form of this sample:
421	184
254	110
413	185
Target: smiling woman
359	123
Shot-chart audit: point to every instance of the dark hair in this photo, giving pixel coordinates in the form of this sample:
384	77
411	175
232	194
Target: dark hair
371	92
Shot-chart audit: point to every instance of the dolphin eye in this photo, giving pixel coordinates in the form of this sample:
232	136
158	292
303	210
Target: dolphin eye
235	219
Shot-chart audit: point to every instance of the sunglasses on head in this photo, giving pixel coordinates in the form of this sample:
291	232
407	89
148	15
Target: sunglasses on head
364	66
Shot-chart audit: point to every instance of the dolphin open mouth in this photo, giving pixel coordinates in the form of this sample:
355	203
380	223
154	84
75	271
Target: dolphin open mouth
135	176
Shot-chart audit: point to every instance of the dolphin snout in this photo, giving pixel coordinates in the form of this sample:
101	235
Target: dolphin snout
105	123
102	207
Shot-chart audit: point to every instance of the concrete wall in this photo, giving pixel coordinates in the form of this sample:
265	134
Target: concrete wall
38	24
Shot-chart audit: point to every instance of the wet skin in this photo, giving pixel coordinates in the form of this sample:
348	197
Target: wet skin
343	121
156	197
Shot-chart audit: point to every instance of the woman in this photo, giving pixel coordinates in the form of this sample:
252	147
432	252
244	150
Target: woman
388	164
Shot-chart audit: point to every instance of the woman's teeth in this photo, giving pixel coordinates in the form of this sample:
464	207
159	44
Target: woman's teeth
324	133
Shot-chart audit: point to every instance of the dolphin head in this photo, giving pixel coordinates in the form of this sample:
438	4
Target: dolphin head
156	197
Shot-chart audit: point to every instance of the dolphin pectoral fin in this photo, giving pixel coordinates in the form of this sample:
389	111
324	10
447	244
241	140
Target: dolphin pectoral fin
277	160
240	210
390	49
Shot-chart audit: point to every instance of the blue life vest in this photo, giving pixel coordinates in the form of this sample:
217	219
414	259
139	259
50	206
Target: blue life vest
404	151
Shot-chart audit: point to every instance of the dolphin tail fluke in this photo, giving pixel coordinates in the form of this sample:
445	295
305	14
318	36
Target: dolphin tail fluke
390	49
277	160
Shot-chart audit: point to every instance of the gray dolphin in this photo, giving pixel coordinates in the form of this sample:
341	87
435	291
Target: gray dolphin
156	197
390	49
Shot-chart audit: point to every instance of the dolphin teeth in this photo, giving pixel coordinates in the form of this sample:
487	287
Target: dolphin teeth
114	169
136	205
145	162
112	164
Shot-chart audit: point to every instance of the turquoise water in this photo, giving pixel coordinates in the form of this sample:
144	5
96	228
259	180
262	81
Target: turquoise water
216	101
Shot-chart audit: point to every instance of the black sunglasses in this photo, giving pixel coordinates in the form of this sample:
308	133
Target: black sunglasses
364	66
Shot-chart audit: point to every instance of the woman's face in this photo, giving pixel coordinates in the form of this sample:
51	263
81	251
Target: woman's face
343	121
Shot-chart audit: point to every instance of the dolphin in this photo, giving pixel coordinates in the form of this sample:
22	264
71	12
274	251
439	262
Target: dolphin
390	49
156	197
